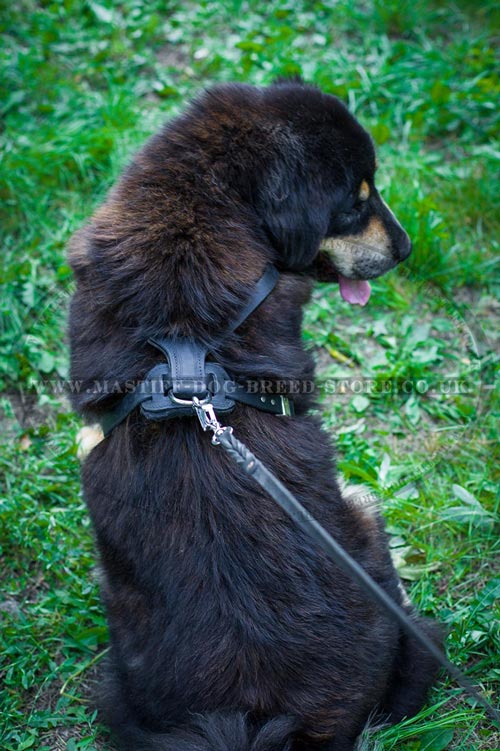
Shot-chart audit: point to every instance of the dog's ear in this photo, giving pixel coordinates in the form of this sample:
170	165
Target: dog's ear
294	205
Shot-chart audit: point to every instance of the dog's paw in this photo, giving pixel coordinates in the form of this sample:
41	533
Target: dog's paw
87	438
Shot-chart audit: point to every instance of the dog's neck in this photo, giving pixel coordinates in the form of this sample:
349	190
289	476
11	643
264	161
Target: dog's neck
122	305
180	267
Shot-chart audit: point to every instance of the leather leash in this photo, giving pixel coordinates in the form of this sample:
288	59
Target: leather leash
239	453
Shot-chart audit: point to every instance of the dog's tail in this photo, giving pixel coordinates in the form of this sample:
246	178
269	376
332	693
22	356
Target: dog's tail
213	732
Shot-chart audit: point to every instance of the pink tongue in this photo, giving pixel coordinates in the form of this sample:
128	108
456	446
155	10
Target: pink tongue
355	291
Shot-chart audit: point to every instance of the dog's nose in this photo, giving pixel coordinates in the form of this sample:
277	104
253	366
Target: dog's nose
402	246
400	240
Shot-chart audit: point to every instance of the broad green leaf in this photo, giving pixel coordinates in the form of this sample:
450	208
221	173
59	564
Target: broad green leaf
436	740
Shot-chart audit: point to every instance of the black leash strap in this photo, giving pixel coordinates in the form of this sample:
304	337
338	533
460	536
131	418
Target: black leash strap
224	437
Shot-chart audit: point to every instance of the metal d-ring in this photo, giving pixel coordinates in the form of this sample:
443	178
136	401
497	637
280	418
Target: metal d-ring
188	402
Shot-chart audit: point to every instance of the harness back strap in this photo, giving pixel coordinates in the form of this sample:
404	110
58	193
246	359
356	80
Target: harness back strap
169	387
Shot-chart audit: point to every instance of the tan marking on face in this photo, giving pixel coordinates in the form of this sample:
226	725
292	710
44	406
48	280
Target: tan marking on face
375	235
345	250
364	191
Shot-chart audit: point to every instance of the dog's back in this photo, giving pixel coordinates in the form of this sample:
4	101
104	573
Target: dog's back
229	630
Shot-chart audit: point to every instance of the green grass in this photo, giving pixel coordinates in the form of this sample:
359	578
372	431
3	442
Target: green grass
81	86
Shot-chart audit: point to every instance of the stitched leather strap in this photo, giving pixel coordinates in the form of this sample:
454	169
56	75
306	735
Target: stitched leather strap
168	389
117	414
186	358
262	289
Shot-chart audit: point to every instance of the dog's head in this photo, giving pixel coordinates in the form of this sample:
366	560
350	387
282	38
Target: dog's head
285	170
317	197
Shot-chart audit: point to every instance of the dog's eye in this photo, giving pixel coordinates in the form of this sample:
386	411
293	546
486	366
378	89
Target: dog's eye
357	201
355	204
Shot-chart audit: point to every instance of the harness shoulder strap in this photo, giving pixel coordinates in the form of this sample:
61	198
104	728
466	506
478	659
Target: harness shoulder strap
142	392
262	289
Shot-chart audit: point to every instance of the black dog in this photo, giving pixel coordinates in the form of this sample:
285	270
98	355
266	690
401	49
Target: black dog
229	629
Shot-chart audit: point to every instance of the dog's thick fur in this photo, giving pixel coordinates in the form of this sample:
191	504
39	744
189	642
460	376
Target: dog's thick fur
229	630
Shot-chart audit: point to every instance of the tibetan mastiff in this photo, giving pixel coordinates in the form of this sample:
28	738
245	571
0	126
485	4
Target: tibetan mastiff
229	629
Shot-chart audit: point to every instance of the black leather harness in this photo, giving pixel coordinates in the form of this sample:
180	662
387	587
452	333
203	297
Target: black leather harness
170	388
